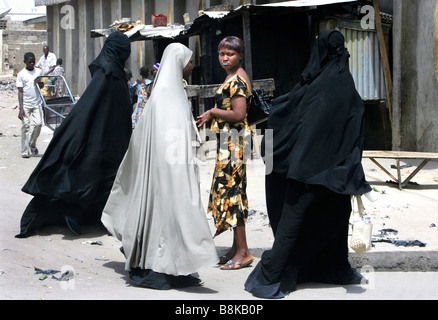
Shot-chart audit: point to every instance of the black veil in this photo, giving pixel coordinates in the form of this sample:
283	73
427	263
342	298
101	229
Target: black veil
74	177
318	127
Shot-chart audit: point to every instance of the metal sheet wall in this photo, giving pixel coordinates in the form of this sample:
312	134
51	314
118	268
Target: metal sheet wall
365	63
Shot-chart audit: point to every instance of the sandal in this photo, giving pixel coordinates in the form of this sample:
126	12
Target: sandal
228	265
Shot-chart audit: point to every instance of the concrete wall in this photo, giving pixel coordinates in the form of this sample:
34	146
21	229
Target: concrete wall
1	52
16	40
415	110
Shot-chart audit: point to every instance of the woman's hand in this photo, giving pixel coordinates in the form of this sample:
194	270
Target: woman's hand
204	118
236	114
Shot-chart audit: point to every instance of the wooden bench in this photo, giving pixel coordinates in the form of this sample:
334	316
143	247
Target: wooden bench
398	155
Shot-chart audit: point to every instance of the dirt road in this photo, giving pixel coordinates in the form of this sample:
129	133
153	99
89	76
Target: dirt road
99	268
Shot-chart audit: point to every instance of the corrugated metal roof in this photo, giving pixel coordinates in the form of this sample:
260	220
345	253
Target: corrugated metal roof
305	3
147	32
142	32
20	10
48	2
170	31
215	14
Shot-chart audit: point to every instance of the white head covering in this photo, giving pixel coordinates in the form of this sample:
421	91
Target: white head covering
155	206
175	58
168	104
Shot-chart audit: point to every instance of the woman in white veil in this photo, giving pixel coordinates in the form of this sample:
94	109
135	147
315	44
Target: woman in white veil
155	207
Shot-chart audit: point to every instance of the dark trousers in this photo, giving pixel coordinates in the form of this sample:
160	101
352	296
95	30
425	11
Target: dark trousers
310	224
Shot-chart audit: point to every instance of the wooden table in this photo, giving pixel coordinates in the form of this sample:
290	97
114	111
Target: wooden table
397	156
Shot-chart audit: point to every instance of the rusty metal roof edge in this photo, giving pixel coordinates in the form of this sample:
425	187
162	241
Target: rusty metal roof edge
146	32
304	3
48	2
293	5
167	32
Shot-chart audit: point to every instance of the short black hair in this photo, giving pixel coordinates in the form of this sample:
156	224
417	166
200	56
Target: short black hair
59	61
232	43
28	55
144	72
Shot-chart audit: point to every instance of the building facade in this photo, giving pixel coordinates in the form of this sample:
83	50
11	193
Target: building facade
413	40
415	114
69	24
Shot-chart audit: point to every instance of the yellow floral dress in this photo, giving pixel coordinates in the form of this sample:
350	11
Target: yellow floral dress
228	200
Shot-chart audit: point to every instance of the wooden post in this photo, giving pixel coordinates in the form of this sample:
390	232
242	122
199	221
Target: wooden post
248	66
247	40
169	13
384	54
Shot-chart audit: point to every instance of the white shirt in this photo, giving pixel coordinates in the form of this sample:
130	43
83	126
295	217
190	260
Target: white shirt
46	63
25	80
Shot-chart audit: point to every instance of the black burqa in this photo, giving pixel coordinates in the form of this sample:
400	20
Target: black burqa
318	126
74	177
316	166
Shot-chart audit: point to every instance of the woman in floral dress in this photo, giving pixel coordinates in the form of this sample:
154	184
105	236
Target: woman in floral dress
228	201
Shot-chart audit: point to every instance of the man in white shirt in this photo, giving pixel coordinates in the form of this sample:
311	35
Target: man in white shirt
30	103
47	62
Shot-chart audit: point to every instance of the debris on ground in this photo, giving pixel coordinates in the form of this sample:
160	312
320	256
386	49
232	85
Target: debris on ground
404	166
384	232
46	272
102	258
403	243
66	276
93	242
6	85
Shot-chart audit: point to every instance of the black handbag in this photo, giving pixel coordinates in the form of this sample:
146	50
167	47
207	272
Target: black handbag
259	106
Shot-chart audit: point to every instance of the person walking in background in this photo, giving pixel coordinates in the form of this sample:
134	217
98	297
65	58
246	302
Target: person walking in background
72	181
155	206
58	71
30	104
318	132
155	69
132	88
228	201
47	62
143	92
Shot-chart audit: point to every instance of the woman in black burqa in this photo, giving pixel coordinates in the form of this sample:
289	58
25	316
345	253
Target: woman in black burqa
73	179
317	151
